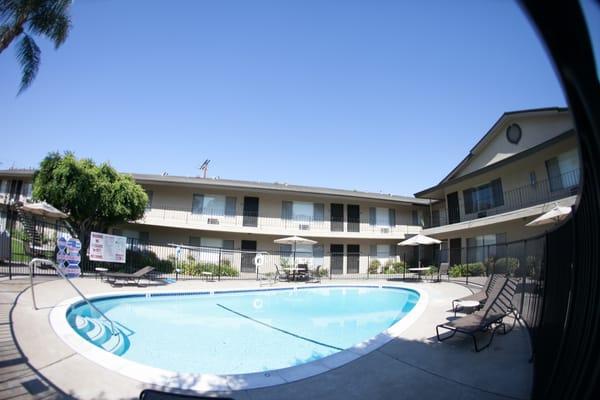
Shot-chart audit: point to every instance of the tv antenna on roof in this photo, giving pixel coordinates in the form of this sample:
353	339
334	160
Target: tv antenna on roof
204	167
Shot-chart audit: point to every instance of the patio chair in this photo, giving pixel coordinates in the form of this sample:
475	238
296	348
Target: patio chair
314	276
302	272
279	275
443	271
136	277
480	296
497	306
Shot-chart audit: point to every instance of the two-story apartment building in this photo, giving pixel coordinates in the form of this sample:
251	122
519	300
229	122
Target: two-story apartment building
524	165
250	215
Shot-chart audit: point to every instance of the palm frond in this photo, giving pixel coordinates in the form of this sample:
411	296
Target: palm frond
28	54
52	19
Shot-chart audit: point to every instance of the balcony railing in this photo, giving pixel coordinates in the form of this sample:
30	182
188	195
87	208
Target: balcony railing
215	219
545	191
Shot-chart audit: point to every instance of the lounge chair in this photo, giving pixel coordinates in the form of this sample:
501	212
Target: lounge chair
279	276
136	277
480	296
497	306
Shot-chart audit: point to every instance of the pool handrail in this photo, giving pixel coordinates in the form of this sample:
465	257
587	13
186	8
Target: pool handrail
113	331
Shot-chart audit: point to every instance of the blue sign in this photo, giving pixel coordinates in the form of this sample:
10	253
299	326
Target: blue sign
68	256
73	244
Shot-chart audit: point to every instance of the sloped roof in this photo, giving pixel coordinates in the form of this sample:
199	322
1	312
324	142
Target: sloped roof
489	136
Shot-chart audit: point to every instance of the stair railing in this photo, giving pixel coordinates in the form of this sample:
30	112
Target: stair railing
62	275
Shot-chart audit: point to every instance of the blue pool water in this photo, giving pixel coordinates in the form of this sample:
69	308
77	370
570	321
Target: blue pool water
241	332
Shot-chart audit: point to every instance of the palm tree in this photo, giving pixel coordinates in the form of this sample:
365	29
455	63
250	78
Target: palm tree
25	18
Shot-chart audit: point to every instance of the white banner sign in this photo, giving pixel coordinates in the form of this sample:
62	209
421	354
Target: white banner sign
107	248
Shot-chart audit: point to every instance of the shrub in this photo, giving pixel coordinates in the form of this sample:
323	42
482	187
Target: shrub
433	270
506	265
142	258
374	267
473	269
193	268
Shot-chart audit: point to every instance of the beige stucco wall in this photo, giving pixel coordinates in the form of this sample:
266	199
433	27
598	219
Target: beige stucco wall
171	206
514	175
535	130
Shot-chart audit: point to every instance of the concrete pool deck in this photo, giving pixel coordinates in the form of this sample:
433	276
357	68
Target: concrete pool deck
413	366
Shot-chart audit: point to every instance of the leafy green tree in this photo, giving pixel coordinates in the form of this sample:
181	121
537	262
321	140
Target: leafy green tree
95	197
25	18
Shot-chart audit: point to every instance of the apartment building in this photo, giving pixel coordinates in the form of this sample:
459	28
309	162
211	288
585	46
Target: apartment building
524	165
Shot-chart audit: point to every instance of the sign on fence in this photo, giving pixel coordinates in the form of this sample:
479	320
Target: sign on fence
107	248
68	256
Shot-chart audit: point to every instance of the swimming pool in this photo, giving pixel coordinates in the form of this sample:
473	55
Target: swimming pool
241	332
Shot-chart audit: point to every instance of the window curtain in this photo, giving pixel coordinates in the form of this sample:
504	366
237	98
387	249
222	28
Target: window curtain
285	250
197	203
230	205
372	216
373	250
553	169
318	212
286	209
468	199
228	244
497	193
392	217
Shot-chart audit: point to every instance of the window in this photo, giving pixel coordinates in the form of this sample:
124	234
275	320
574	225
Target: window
563	170
211	242
194	241
532	178
383	251
216	205
484	197
380	216
26	190
4	187
150	194
479	248
302	211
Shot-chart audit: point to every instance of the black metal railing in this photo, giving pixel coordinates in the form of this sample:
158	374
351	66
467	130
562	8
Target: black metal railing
540	192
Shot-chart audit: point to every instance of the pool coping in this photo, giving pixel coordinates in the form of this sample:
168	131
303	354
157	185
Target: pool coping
203	383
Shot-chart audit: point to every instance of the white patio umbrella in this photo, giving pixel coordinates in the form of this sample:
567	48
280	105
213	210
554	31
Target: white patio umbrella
44	209
553	216
294	240
418	240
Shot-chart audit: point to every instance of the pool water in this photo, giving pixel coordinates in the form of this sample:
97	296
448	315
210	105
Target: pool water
241	332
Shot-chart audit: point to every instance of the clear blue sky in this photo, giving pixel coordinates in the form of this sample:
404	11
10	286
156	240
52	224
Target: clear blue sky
367	95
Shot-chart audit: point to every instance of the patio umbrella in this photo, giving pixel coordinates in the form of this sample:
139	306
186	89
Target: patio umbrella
44	209
553	216
418	240
294	240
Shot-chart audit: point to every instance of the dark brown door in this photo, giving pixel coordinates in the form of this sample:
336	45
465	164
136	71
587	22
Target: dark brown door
352	258
455	251
337	258
453	209
337	217
250	211
248	254
353	211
